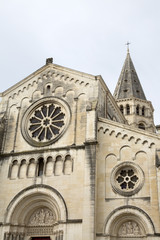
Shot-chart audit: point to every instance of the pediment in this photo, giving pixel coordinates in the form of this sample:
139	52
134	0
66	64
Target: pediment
52	76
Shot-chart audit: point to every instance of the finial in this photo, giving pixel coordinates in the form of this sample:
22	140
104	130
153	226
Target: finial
49	60
128	43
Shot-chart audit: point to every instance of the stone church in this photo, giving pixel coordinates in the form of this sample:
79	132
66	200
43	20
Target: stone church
76	162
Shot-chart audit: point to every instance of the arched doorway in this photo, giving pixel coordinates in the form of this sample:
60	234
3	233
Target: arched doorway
36	213
129	223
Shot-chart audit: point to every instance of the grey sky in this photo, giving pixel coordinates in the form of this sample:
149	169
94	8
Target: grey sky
86	35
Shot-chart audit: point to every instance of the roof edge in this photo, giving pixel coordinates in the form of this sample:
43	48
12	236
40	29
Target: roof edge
56	66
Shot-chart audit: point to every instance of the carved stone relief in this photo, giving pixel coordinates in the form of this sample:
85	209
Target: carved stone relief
42	217
130	228
43	231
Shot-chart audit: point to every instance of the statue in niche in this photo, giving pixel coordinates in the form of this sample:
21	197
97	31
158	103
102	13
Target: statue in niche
42	217
129	228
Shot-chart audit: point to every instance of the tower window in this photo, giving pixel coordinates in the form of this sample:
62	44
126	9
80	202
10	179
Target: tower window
141	126
137	110
127	109
40	166
143	111
121	109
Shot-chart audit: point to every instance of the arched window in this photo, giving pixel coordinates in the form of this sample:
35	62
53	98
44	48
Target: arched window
40	166
127	109
141	126
143	111
121	109
137	110
48	89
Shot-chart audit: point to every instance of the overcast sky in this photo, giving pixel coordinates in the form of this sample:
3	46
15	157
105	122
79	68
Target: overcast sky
85	35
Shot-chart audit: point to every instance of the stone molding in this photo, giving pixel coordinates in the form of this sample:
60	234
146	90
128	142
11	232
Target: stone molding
128	213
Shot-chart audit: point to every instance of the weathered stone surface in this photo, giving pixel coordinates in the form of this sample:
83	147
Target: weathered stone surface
72	166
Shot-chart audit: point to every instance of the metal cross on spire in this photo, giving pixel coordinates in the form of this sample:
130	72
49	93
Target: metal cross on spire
127	44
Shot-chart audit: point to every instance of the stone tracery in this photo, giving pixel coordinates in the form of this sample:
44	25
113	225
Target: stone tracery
46	122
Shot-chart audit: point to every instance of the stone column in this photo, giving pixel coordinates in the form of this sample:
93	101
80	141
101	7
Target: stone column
21	236
7	236
14	236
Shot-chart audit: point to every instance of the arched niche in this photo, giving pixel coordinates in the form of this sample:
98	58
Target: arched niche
142	159
49	167
31	168
22	169
110	162
128	222
36	95
125	153
58	166
68	165
59	91
14	169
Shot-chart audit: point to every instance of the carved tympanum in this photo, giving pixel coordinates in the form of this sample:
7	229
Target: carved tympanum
130	228
42	217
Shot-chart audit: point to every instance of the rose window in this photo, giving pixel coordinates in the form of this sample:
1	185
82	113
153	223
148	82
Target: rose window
45	121
127	178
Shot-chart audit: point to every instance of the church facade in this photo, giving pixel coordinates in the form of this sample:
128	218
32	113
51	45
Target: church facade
77	162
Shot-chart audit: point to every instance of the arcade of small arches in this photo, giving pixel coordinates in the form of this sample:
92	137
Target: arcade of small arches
41	166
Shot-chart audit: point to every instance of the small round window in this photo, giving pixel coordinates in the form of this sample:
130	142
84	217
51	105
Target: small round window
45	121
127	178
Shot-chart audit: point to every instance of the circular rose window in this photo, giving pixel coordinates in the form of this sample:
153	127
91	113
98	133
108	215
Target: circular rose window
127	178
45	121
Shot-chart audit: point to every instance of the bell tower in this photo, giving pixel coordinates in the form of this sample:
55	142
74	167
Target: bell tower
131	99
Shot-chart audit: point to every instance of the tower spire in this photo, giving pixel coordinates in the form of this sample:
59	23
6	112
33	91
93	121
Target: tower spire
131	99
128	84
